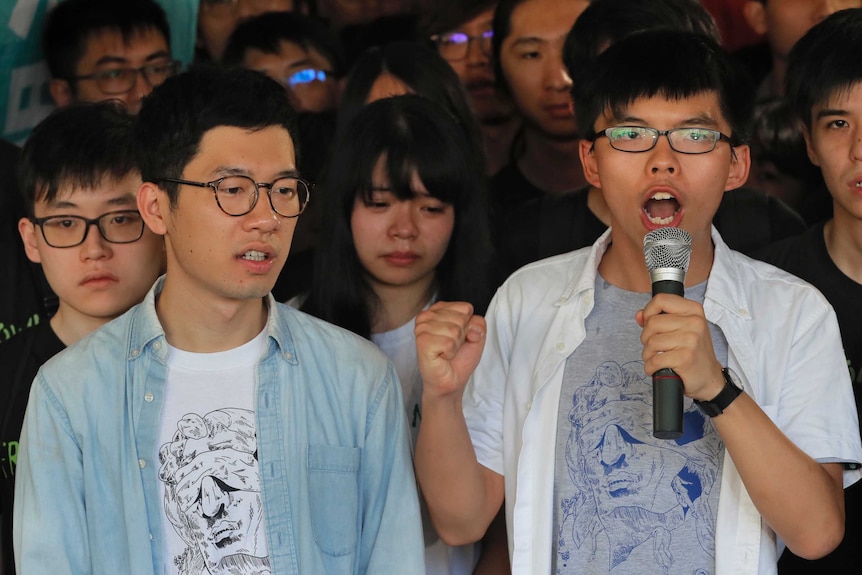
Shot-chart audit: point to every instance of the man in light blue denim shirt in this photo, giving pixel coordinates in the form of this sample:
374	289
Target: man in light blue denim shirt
211	429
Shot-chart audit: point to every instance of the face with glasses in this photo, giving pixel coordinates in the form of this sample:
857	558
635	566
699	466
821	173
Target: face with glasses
117	68
662	162
467	48
97	255
305	74
229	230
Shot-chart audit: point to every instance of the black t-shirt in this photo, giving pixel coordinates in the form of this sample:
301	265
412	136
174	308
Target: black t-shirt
530	224
23	289
806	257
20	359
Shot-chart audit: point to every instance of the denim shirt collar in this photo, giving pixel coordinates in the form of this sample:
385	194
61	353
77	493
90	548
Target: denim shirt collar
146	330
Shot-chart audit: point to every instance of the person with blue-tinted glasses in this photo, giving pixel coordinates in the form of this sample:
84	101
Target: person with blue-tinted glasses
296	50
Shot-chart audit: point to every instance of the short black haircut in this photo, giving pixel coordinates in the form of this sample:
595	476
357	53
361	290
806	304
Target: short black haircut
670	64
71	23
605	22
824	62
266	31
76	147
175	116
446	15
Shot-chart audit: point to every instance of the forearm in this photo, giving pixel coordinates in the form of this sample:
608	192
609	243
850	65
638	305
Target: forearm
802	500
462	495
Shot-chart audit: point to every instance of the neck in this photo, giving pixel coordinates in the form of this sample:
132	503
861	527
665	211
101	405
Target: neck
551	165
397	305
843	236
497	138
597	205
70	325
623	263
208	326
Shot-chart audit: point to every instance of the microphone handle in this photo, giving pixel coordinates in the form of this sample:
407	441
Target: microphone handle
667	387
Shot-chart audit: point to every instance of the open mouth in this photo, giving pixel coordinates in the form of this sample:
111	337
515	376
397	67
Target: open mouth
254	256
661	208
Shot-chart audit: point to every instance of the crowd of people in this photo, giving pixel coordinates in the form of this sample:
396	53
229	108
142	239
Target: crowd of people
363	290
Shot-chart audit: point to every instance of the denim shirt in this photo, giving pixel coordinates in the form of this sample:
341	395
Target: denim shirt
337	479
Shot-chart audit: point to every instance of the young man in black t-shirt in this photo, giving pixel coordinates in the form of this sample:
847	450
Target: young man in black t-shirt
76	172
824	86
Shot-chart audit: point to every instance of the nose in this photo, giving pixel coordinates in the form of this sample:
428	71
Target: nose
614	449
403	224
856	148
475	55
263	216
213	498
662	157
556	76
95	247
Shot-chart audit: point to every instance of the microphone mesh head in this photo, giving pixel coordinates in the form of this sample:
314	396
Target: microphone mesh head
667	248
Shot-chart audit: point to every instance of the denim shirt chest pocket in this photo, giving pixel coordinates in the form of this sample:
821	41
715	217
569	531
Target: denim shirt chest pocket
333	484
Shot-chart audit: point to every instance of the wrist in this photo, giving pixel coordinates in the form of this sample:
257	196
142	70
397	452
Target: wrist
720	402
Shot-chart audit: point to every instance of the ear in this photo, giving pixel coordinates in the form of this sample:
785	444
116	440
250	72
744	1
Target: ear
754	12
154	205
61	92
27	229
740	164
587	154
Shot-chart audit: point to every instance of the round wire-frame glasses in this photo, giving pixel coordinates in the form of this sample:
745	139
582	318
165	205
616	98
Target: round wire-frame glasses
238	195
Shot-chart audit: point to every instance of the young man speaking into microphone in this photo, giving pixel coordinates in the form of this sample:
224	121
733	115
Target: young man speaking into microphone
557	418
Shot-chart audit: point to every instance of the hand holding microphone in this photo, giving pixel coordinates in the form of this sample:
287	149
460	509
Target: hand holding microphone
667	252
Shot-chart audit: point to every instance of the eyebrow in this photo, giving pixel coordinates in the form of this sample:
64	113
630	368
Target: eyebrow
118	60
528	41
232	171
123	200
830	112
700	120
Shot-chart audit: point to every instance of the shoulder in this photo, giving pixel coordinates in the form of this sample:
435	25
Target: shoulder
320	339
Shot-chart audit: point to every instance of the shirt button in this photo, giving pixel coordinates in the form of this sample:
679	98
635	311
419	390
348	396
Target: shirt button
561	347
528	405
148	397
288	355
136	352
157	346
142	463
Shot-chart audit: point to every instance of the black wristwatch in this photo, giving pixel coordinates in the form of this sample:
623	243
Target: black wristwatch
721	401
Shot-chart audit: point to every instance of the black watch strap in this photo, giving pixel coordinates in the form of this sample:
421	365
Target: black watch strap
720	402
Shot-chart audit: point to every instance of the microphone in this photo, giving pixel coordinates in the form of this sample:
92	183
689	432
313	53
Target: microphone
667	252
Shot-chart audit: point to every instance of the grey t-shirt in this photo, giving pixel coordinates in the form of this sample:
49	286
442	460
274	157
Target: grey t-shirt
626	502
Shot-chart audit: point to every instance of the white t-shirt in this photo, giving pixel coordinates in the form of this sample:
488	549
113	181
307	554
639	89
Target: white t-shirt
207	451
399	345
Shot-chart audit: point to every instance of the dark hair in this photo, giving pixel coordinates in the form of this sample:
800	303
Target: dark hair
447	15
776	138
421	68
78	147
605	22
176	115
71	23
824	61
415	134
688	64
502	26
266	31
